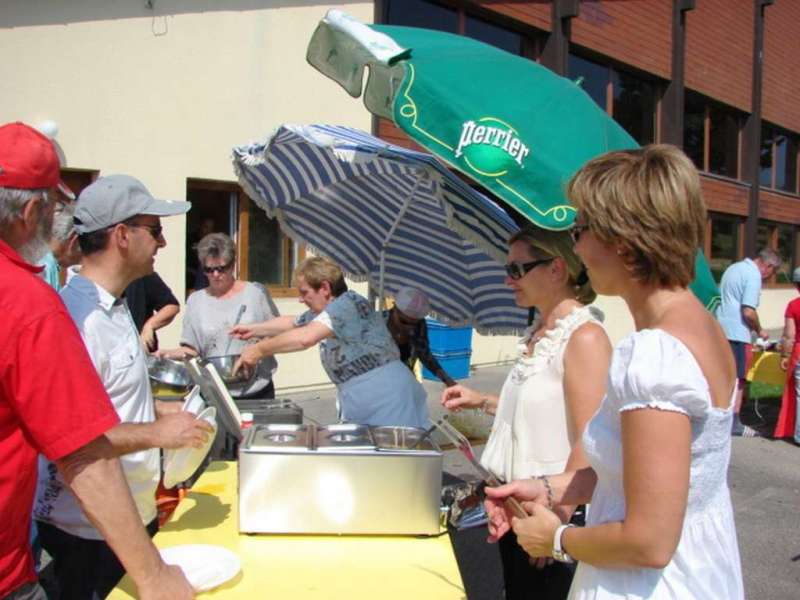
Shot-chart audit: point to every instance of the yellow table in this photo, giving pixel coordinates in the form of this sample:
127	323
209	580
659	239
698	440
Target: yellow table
283	566
766	368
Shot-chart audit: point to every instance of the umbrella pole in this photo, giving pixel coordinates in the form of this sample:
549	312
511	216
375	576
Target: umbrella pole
400	215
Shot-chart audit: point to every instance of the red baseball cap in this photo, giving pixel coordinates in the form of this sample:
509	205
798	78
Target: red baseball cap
28	160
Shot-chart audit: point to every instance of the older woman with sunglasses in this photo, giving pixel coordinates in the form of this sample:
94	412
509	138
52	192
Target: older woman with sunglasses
661	522
212	311
550	394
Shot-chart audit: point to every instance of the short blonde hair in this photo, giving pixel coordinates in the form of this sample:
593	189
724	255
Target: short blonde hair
649	201
316	269
544	243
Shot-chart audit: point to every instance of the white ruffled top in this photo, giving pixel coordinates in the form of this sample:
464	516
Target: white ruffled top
530	435
653	369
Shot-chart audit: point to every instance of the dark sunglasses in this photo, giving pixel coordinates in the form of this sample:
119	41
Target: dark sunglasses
220	269
576	231
155	230
517	270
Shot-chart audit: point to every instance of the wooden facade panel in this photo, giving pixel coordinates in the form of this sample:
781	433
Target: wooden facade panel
636	32
779	207
719	50
389	132
781	86
535	14
725	196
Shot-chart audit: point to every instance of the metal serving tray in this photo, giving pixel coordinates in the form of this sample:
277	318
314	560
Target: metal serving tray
295	486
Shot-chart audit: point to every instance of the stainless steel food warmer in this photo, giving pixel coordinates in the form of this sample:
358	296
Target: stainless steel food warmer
340	479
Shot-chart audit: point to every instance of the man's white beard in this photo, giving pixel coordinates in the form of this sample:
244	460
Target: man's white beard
35	249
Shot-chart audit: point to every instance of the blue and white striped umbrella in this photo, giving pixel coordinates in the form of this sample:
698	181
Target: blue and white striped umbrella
388	215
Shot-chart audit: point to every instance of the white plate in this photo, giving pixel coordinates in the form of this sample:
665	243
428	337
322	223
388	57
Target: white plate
181	464
194	402
205	566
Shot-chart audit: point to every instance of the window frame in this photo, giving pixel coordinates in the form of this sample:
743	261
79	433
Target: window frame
708	105
777	131
614	68
244	206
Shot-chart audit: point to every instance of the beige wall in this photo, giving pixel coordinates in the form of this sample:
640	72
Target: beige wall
165	94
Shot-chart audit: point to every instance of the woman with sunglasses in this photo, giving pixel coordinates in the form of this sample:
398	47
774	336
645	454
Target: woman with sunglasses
661	523
551	392
212	311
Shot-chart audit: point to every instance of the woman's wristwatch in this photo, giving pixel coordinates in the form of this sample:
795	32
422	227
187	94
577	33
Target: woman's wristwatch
558	551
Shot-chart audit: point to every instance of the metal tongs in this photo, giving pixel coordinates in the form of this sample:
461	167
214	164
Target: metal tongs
462	443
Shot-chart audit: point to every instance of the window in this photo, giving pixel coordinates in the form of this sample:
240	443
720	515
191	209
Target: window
497	36
726	233
778	160
765	156
723	142
711	135
421	13
593	77
694	128
635	106
432	15
780	237
264	254
633	100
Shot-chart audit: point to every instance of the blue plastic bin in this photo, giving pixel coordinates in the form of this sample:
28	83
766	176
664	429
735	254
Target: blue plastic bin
445	340
456	364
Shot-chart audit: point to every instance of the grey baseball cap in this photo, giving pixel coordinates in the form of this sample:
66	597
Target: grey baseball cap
796	275
116	198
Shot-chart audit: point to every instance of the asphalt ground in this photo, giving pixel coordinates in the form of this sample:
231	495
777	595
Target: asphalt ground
764	479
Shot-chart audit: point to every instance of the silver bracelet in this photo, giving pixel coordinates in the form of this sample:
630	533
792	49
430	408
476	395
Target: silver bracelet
546	481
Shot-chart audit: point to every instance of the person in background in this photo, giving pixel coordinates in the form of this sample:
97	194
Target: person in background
406	323
788	424
660	525
119	232
373	387
212	311
549	395
740	292
197	279
64	249
68	427
152	305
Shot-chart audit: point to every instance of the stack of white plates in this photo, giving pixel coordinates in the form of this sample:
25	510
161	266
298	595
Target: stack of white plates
180	464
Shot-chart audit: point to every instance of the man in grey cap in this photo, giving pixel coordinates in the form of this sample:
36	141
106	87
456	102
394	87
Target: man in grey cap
119	232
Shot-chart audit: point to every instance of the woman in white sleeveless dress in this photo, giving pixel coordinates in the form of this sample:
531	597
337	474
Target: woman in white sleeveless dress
551	392
660	523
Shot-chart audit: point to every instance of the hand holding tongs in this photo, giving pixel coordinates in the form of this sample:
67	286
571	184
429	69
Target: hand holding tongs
462	443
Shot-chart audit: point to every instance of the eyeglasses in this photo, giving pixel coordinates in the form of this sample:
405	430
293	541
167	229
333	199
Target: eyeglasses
220	269
155	230
517	270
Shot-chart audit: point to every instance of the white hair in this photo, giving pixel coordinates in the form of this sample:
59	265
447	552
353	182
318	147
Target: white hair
13	200
63	224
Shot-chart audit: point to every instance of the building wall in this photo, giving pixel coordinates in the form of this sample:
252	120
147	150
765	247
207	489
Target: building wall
638	33
719	50
164	96
781	51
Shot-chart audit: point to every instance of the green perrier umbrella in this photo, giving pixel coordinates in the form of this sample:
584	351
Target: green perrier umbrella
510	124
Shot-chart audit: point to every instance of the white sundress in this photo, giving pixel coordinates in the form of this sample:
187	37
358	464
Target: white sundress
652	369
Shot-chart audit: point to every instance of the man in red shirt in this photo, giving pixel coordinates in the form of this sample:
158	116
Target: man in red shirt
58	408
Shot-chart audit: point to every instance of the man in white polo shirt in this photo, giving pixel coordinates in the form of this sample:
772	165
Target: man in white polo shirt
117	221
